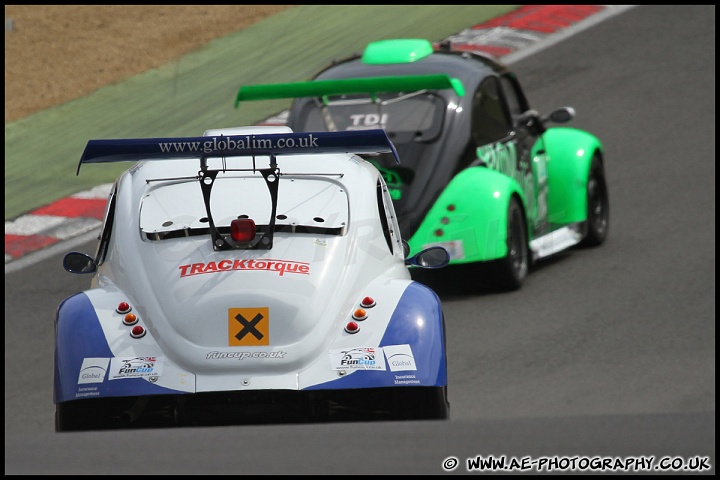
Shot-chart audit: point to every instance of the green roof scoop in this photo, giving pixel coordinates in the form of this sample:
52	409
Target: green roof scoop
405	50
369	85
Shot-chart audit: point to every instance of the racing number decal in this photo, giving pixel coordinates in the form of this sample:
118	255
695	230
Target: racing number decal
248	326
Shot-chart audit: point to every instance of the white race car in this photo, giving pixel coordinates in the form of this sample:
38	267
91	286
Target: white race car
251	275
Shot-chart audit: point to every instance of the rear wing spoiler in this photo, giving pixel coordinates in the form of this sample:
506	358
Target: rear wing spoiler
249	145
371	85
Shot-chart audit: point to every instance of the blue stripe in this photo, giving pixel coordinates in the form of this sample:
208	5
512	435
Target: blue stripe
417	321
79	336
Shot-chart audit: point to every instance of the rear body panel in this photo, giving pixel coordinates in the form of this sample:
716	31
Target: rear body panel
177	308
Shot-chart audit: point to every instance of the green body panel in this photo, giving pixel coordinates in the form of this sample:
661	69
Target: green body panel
479	221
405	50
570	152
370	85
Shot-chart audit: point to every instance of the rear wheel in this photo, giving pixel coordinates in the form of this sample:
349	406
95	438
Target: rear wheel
114	413
86	414
509	272
421	403
598	206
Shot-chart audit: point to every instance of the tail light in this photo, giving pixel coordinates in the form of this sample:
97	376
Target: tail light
242	229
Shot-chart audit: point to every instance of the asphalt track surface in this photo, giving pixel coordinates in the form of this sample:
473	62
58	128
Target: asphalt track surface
605	353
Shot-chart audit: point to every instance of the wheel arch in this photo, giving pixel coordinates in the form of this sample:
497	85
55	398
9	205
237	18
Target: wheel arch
570	152
78	335
474	193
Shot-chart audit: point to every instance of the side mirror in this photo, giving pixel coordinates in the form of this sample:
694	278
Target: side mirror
76	262
432	257
562	115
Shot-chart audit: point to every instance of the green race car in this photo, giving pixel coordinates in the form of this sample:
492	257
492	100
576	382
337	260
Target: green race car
481	174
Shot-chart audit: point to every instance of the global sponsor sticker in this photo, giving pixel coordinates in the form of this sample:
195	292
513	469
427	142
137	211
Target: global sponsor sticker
135	367
93	370
362	358
400	358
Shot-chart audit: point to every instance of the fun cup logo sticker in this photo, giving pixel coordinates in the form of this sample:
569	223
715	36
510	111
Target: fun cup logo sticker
357	359
135	367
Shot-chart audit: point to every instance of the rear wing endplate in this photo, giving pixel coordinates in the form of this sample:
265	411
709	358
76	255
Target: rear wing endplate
271	144
370	85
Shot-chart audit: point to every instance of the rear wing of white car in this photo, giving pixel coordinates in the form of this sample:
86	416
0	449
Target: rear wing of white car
248	145
242	233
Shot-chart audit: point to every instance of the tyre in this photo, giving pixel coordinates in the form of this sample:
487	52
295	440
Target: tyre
421	403
113	413
508	273
81	415
598	206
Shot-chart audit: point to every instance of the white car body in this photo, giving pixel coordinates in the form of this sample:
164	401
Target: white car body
207	314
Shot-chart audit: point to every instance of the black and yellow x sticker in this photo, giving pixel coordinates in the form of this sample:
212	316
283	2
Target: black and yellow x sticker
248	326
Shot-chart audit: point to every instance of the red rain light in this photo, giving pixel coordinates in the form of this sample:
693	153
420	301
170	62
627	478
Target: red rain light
137	332
242	229
360	314
123	307
367	302
451	208
352	327
130	319
438	232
